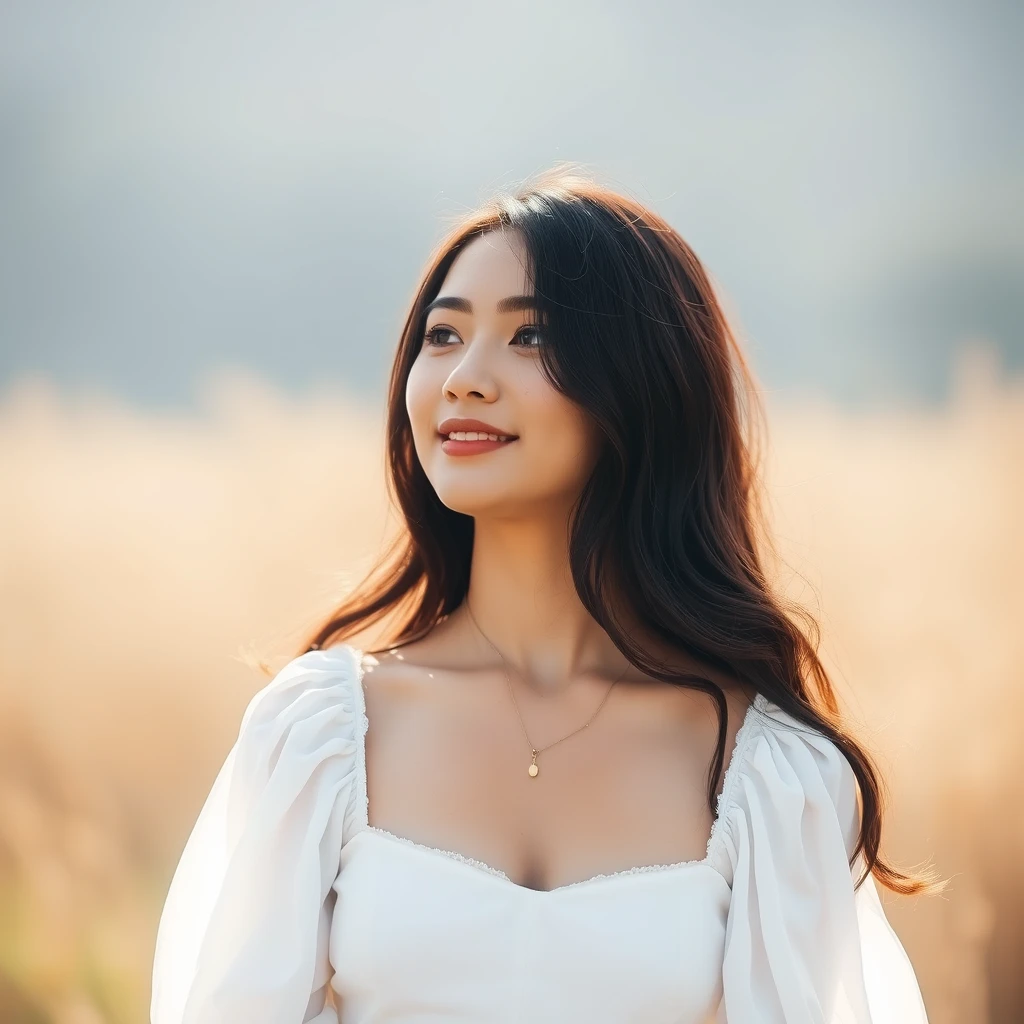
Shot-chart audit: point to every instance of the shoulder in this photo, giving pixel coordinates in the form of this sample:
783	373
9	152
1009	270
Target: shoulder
309	678
787	780
399	679
311	701
814	758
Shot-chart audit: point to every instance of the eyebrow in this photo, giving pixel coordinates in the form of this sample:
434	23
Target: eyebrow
510	305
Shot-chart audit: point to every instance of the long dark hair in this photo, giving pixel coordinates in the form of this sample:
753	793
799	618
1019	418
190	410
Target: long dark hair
670	521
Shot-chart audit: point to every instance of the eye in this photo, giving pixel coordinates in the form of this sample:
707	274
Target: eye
436	336
431	337
530	329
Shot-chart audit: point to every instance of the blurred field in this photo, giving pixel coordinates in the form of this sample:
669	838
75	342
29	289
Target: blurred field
144	557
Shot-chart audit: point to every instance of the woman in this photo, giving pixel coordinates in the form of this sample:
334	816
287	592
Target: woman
610	781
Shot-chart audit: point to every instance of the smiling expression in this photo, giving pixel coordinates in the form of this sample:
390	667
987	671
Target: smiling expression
479	359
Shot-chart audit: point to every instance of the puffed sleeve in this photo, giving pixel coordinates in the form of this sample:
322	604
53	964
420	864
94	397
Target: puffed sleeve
244	931
801	946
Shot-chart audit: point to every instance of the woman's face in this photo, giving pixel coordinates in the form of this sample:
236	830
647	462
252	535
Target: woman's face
479	360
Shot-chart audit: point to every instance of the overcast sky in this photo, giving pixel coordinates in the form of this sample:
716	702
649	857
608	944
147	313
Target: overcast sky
193	186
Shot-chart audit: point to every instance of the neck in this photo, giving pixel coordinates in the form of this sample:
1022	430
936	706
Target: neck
524	602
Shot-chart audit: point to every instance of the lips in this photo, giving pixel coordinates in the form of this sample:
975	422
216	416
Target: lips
454	447
445	427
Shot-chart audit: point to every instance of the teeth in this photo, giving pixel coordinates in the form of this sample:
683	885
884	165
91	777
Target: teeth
475	435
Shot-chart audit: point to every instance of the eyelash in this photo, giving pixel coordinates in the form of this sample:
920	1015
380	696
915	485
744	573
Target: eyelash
428	338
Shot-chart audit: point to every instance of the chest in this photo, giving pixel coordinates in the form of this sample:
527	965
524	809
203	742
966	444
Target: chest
451	771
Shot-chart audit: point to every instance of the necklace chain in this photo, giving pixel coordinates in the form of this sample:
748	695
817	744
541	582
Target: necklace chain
534	751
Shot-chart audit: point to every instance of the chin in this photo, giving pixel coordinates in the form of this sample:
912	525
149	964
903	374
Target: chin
477	501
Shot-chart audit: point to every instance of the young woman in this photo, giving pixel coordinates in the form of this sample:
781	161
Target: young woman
599	775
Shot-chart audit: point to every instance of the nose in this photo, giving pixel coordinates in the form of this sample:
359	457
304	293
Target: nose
471	377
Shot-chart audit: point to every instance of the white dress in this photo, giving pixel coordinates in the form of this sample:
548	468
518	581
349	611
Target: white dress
284	890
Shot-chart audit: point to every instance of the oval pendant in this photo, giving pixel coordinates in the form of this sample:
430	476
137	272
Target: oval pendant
533	770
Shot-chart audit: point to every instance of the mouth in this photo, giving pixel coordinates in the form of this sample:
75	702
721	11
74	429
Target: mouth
476	435
475	444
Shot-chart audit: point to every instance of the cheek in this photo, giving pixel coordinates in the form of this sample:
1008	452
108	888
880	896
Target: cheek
564	443
420	392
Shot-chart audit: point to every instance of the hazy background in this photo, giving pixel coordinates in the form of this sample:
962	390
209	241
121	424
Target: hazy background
196	184
212	217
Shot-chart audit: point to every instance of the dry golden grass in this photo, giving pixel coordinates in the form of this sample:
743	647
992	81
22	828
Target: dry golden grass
142	555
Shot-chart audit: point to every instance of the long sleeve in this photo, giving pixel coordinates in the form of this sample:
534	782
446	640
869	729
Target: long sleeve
802	946
244	931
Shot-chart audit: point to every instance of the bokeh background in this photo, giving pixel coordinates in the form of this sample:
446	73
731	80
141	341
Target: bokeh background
212	216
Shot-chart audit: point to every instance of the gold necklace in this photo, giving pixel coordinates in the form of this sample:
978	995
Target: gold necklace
534	770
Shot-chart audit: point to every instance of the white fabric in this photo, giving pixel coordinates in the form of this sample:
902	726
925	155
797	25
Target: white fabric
284	891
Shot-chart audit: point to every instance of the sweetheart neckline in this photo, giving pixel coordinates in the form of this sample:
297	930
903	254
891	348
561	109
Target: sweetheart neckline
732	769
484	869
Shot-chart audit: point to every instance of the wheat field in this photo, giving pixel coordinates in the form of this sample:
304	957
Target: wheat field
149	560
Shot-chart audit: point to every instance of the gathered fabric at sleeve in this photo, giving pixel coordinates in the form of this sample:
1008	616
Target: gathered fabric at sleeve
244	931
802	946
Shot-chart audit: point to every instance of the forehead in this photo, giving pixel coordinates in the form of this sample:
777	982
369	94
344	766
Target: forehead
490	267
